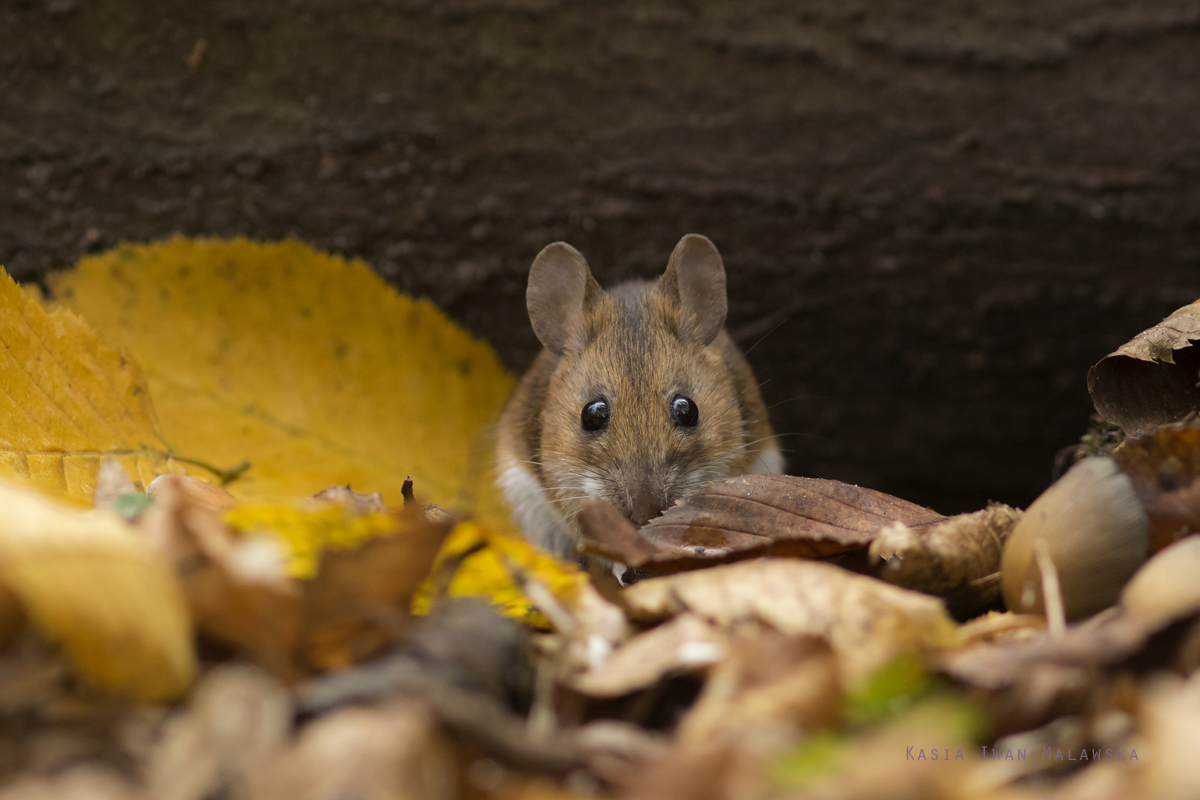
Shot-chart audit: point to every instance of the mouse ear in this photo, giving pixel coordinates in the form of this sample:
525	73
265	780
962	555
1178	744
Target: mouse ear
696	276
561	287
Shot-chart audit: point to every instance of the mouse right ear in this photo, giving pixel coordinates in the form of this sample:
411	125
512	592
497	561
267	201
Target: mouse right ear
561	287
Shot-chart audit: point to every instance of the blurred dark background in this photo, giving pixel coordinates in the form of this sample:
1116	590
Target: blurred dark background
934	215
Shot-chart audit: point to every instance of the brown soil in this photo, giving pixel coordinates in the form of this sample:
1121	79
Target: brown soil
935	216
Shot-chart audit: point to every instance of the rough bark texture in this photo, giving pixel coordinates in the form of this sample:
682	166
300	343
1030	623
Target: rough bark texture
938	214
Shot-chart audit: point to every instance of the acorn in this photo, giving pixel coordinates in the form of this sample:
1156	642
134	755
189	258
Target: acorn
1093	530
1166	587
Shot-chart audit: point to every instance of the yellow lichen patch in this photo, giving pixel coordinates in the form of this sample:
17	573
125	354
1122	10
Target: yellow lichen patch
87	582
305	532
489	573
67	400
307	365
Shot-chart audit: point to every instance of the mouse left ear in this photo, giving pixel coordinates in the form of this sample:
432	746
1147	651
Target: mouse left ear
561	290
696	276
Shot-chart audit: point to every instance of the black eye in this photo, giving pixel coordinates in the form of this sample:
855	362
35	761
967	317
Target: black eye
595	415
684	412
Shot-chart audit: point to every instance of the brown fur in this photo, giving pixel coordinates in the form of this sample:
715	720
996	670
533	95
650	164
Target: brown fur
638	350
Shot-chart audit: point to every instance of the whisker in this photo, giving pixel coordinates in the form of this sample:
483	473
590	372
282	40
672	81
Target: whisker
790	400
765	335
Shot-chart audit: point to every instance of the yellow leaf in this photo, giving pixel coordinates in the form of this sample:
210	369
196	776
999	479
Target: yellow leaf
488	573
67	400
307	365
86	581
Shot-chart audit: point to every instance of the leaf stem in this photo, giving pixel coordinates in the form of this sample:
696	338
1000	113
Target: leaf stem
227	476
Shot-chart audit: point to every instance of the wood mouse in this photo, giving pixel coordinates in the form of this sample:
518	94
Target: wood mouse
638	398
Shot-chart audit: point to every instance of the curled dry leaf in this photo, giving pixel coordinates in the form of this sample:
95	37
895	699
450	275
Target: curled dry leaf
308	366
1151	380
67	400
86	581
957	559
867	621
685	643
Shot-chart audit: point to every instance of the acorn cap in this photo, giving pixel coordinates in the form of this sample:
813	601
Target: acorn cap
1095	533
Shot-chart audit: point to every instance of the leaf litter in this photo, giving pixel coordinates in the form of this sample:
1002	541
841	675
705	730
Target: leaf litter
311	630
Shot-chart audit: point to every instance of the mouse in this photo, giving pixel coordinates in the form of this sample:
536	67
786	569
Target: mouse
638	397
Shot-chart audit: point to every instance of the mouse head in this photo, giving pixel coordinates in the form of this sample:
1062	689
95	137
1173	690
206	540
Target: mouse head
641	407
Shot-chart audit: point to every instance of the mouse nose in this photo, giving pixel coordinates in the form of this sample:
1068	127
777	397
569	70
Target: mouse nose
645	506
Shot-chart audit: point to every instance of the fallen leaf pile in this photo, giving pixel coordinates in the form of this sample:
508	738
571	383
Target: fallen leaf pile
217	580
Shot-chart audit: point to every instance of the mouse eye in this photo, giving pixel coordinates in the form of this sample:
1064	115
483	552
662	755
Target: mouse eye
684	412
595	415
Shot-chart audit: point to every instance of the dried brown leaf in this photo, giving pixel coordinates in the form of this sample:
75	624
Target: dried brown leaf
360	599
683	644
607	533
746	517
1152	379
781	515
868	622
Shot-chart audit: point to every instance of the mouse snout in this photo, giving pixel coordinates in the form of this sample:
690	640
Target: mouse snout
644	503
644	509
